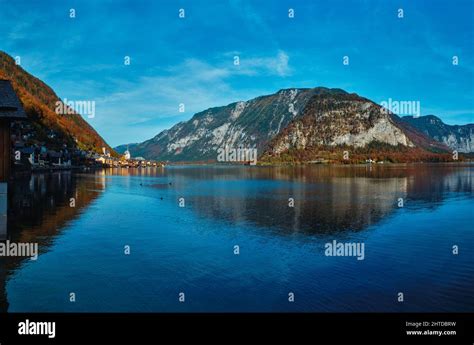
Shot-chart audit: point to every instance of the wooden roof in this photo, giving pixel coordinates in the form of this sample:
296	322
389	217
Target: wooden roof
10	105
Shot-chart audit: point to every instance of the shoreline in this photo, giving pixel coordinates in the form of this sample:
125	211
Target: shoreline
85	169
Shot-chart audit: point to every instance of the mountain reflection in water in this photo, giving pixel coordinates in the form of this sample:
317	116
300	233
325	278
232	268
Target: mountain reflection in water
282	246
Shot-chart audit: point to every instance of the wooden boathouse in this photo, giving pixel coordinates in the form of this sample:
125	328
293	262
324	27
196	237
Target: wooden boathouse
10	110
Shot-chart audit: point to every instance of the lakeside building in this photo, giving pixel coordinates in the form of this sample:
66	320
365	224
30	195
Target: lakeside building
126	155
10	110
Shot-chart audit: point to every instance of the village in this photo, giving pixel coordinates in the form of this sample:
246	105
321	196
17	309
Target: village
34	155
41	158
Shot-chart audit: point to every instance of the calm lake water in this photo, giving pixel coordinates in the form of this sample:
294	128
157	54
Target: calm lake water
190	249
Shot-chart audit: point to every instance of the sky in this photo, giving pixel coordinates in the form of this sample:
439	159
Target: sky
190	60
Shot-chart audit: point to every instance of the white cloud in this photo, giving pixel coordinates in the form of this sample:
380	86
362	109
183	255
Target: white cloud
269	65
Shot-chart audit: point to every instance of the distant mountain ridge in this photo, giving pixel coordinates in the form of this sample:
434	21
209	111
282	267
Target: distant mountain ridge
122	148
292	121
457	137
39	102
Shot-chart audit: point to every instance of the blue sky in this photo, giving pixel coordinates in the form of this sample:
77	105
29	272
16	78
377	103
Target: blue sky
191	60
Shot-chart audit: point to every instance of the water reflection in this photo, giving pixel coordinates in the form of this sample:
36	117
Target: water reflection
38	208
328	200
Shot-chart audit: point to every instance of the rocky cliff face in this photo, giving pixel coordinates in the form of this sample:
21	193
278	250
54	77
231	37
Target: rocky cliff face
335	120
292	121
249	124
460	138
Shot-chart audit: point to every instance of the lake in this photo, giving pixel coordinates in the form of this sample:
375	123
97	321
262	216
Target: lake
243	238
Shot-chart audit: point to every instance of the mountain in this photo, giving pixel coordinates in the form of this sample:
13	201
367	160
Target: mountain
295	125
331	124
242	124
460	138
122	148
45	125
334	120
